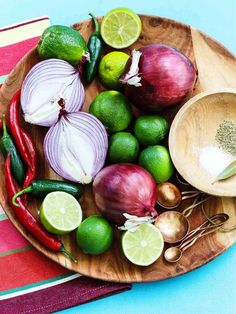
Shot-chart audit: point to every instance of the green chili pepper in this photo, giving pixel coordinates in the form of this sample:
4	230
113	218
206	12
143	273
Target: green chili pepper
39	187
95	50
8	147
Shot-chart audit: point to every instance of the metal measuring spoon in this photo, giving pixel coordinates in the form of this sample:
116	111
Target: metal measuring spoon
174	225
170	197
174	254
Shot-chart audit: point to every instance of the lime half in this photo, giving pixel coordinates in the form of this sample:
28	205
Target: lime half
120	28
144	245
60	213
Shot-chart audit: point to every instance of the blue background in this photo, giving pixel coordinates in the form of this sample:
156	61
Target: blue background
212	288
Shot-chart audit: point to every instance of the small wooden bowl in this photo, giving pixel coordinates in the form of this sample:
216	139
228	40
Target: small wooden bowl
192	143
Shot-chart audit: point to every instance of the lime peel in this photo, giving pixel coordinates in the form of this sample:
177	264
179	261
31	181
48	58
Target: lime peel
95	235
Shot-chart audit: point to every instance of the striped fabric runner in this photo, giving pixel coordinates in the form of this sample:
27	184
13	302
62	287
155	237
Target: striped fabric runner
24	272
15	252
16	40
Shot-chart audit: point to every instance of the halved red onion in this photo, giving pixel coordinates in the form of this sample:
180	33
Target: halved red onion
50	86
76	147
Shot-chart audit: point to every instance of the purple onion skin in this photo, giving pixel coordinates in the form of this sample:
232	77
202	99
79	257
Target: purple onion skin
168	78
124	188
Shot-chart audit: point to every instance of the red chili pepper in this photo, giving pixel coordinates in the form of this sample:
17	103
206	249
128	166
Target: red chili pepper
31	172
31	149
27	219
16	129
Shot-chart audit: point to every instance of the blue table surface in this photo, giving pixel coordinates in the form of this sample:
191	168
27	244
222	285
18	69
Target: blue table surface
210	289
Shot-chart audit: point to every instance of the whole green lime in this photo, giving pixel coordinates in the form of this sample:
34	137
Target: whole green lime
113	109
151	129
94	235
111	68
156	160
62	42
123	147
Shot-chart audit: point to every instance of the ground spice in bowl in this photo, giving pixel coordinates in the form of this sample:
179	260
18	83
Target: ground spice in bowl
226	136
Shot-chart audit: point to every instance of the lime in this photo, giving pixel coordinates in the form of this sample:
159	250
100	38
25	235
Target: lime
120	28
62	42
94	235
60	213
111	68
113	109
156	160
123	147
151	129
144	245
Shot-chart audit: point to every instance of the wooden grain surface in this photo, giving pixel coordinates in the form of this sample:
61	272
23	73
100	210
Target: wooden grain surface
217	69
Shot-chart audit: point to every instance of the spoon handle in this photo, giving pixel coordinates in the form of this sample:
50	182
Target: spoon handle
186	244
204	229
218	219
205	226
188	211
189	194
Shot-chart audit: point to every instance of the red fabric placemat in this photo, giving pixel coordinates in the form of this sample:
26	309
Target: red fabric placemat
29	281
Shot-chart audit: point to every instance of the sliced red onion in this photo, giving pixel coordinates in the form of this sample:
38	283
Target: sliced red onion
50	86
76	147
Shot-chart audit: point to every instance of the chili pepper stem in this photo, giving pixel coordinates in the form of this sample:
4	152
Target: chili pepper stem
26	190
68	254
97	28
4	126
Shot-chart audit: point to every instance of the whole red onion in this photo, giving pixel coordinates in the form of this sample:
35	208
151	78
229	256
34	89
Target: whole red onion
158	76
124	188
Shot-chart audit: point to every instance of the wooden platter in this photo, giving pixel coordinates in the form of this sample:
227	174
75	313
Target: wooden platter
217	68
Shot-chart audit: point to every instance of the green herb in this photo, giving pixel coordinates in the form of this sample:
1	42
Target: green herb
228	172
226	136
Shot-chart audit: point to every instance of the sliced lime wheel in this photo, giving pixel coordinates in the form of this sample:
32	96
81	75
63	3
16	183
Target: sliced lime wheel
144	245
60	213
120	28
